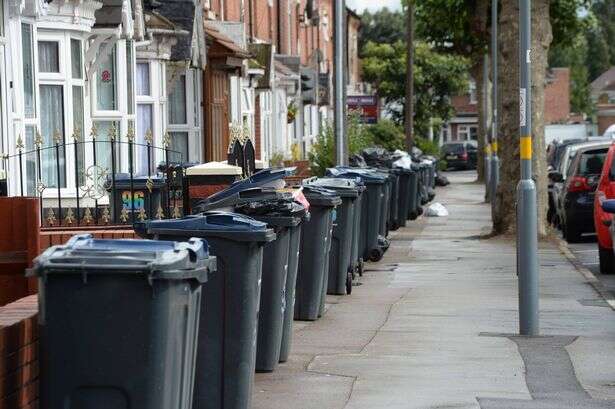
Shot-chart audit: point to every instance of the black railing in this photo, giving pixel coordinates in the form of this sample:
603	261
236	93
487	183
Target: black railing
115	182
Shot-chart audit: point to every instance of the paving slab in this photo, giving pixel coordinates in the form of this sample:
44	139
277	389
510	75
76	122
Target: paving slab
432	326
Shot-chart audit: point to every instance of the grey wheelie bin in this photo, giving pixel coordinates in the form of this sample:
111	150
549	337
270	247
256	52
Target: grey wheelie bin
285	217
291	282
229	320
340	271
404	196
373	201
119	321
314	254
280	212
394	222
414	201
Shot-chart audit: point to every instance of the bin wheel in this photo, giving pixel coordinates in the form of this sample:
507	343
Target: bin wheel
361	268
394	226
420	210
414	215
376	255
349	283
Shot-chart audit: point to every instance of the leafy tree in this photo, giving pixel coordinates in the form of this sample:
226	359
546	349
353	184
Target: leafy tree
597	53
604	11
382	26
437	77
387	134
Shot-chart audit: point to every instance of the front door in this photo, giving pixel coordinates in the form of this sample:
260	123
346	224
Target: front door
217	107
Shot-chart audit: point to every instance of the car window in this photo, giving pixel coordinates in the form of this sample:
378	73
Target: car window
455	148
590	162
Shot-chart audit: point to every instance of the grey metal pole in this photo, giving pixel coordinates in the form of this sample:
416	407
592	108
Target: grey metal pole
485	136
527	229
340	137
494	173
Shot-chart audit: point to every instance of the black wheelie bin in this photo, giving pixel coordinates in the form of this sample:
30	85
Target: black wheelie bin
119	321
229	320
373	201
340	273
314	255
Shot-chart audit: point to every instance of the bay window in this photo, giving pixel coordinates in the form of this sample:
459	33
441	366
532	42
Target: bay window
27	46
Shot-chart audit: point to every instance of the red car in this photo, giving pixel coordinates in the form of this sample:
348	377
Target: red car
602	219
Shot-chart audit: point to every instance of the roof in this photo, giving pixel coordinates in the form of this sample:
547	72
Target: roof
604	81
229	46
182	14
110	14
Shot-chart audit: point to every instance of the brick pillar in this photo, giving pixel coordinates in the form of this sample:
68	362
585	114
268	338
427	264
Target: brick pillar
257	127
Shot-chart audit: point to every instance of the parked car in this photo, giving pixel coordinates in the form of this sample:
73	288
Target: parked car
576	198
555	151
559	175
603	218
460	155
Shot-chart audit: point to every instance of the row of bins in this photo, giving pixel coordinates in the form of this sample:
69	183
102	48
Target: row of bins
184	319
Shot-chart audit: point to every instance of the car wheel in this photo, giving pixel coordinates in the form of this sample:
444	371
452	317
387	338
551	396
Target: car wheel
607	260
571	233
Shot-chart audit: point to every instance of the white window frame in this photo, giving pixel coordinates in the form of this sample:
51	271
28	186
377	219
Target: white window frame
473	92
267	123
158	100
120	115
64	79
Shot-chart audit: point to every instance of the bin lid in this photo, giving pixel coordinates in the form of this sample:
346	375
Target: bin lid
351	188
368	176
158	260
320	196
233	226
123	179
276	213
229	196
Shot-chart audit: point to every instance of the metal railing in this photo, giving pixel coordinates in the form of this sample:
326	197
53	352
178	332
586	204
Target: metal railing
114	182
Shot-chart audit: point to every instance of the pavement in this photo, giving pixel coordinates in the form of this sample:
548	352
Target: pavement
432	326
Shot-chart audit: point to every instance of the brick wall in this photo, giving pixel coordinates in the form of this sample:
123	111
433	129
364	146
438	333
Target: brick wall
19	366
257	127
463	105
605	119
50	238
557	96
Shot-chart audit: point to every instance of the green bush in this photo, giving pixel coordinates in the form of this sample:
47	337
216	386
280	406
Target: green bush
428	147
387	134
322	153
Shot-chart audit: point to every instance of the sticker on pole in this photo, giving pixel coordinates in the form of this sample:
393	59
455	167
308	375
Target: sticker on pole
522	107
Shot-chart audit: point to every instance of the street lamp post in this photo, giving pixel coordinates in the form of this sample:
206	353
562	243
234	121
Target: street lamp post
494	171
527	230
340	137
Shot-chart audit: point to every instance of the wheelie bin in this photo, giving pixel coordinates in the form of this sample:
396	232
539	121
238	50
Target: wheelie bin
119	321
404	195
373	201
314	254
393	222
291	282
340	271
279	210
227	337
414	200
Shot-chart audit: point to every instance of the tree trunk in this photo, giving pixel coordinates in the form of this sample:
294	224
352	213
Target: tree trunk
409	107
505	212
481	13
542	37
508	70
479	75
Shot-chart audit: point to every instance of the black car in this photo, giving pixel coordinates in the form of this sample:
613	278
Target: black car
555	152
576	205
460	155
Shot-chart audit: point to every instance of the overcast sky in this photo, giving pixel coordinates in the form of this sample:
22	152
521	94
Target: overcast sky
360	5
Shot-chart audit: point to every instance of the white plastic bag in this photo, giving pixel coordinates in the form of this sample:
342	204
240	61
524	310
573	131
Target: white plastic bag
436	210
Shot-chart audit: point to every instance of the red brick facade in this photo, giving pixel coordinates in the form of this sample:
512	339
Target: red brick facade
557	96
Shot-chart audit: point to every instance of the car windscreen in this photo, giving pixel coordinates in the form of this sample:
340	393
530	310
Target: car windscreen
590	162
454	148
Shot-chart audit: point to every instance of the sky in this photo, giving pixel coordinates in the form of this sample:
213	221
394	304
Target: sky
360	5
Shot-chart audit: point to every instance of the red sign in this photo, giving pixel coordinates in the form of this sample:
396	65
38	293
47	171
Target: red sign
366	106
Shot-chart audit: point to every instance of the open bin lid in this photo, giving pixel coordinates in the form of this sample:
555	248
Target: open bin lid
232	226
368	176
158	260
230	195
351	188
320	196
